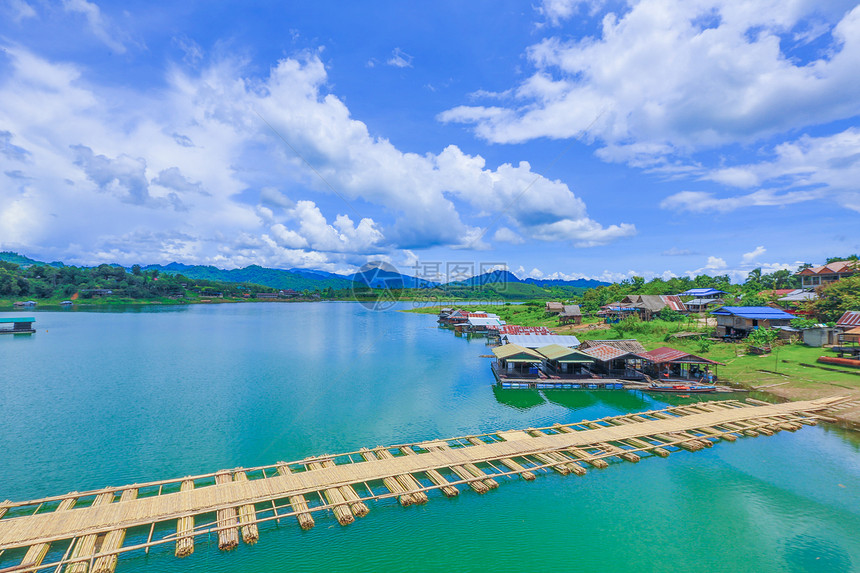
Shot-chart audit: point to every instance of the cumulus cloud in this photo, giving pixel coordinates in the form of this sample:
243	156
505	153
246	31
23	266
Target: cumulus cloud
753	255
505	235
681	74
198	146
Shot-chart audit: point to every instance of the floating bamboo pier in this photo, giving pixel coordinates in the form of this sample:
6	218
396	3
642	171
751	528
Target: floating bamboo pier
86	532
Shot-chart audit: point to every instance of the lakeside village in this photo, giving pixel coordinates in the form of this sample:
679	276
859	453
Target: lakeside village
536	357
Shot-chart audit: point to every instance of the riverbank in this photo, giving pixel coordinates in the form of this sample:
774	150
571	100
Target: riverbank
788	373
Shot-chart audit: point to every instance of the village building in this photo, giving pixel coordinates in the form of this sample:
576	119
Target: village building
514	361
570	314
666	363
479	325
18	325
849	320
614	362
704	293
554	307
816	276
266	295
648	305
562	362
736	322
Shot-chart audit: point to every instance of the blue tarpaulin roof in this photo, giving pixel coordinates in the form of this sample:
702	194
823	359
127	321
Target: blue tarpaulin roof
17	319
753	312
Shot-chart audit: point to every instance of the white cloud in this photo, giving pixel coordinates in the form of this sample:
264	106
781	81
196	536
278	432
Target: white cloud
98	23
683	74
197	158
703	202
676	252
399	59
556	11
20	10
505	235
712	266
753	255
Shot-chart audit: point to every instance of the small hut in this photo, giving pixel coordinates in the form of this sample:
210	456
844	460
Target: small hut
554	308
614	362
571	313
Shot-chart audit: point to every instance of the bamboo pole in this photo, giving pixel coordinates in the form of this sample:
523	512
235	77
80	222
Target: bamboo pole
335	498
358	508
435	477
113	540
298	503
408	481
184	525
247	516
86	545
36	553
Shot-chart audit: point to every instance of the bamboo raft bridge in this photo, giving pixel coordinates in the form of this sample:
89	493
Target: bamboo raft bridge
87	531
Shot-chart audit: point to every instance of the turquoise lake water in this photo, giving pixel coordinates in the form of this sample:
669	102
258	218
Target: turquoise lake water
115	397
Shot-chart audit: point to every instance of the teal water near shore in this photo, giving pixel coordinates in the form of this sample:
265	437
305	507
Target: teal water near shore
138	394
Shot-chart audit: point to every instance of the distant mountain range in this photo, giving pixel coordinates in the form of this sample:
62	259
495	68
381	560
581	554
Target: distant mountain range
301	279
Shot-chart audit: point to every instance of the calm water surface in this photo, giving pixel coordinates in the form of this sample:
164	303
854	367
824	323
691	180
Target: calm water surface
110	398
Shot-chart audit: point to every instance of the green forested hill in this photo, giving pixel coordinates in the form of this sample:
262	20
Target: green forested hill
256	274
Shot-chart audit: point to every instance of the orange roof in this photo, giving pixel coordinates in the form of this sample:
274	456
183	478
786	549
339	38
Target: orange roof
833	268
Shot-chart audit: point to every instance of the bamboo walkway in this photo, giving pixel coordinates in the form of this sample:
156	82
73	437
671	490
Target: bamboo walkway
87	531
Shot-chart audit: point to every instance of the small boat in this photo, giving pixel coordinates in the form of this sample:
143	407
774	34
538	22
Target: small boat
680	388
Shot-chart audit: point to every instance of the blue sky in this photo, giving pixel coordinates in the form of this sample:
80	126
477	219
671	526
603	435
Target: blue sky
562	138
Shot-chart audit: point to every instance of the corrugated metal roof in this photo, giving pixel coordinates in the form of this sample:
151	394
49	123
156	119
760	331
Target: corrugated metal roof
516	353
855	330
674	302
836	267
850	318
665	354
478	321
562	354
538	340
753	312
605	353
702	301
799	296
630	345
700	292
517	329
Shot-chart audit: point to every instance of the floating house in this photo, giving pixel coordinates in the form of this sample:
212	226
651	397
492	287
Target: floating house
479	325
562	362
667	363
826	274
570	314
538	340
736	322
19	325
614	362
514	361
